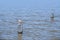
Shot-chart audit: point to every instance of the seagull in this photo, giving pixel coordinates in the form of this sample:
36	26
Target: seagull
52	17
20	27
20	21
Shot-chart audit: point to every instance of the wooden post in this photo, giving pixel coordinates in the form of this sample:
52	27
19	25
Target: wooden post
20	30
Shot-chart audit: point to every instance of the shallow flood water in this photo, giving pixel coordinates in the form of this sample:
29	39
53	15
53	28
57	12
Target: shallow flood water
36	26
42	30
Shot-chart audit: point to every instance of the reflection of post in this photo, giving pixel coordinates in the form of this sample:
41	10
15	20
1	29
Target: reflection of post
52	17
20	29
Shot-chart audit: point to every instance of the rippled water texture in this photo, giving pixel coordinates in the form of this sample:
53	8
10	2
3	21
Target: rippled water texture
36	26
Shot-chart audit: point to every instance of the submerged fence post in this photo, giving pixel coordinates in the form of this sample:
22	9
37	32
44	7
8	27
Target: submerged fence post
20	29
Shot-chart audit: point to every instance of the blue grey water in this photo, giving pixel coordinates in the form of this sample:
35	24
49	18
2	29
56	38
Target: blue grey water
37	25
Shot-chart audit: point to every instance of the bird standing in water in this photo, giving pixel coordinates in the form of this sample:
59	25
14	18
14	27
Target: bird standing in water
52	17
20	28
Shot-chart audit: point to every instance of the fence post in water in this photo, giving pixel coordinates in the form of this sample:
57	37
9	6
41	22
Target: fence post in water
20	29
